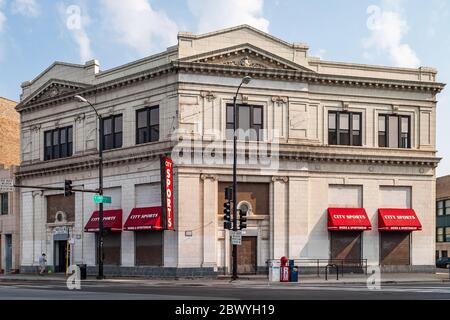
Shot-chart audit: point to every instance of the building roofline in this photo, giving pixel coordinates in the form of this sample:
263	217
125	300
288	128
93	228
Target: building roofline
1	97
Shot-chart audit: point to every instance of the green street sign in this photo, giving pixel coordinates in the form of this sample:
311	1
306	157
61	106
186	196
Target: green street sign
102	199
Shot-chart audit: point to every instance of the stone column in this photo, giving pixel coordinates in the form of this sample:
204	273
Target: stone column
26	230
280	232
298	217
128	202
210	211
190	221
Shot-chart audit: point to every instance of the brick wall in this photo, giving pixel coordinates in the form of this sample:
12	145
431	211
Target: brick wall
443	187
9	133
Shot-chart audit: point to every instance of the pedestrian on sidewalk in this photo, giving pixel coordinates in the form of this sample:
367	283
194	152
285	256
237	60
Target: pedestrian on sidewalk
42	264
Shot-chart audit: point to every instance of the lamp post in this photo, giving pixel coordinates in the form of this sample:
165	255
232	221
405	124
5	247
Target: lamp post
245	80
100	189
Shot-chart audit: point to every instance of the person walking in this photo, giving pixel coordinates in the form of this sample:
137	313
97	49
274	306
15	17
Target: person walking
42	264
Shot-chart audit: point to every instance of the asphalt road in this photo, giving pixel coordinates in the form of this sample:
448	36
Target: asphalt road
57	290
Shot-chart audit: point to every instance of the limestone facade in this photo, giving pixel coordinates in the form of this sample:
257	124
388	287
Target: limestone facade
192	83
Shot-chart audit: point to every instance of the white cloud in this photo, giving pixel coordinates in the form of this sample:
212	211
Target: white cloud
320	53
27	8
2	17
388	28
218	14
136	24
75	20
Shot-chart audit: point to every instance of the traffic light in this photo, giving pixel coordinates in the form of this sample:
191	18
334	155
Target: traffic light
227	215
229	193
68	188
243	219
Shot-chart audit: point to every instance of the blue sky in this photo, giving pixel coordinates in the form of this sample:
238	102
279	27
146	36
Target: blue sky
35	33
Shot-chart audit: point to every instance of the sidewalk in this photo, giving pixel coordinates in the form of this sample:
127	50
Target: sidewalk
386	278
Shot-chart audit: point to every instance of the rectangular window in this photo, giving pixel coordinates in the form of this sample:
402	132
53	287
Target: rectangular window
147	129
440	208
58	143
112	132
447	234
394	131
4	203
344	128
249	122
440	235
444	254
446	207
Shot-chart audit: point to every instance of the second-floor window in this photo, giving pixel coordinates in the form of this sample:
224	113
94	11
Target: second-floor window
344	128
112	132
147	129
4	203
58	143
394	131
443	207
249	121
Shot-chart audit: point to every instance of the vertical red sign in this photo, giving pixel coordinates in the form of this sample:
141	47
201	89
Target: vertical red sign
169	193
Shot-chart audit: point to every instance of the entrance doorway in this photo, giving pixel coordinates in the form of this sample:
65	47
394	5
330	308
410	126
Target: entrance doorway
62	254
246	255
8	253
395	248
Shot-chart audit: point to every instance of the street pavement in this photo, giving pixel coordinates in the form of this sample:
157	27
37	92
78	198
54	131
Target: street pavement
392	287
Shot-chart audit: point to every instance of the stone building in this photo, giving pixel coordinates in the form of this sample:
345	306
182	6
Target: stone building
344	167
9	201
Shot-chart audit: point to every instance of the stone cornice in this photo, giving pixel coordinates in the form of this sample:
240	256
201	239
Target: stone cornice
79	163
103	87
286	153
227	70
311	77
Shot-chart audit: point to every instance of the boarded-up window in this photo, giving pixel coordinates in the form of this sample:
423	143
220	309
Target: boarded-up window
395	248
340	196
149	248
257	194
346	245
148	195
111	249
116	198
59	203
395	197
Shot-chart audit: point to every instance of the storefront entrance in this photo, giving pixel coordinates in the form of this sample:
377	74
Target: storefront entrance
395	248
346	245
61	256
246	255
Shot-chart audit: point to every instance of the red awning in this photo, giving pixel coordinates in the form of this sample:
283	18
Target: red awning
398	220
144	219
112	219
348	219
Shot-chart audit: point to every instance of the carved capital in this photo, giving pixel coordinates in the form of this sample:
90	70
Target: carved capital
244	99
280	178
38	193
36	128
212	177
80	117
208	95
280	100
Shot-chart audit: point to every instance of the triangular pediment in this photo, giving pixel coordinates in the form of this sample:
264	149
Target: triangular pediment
246	56
54	89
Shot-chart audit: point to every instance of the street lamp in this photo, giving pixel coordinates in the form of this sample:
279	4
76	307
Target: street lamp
100	188
245	80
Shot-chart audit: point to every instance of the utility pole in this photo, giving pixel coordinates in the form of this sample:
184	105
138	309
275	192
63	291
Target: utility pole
100	189
245	80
